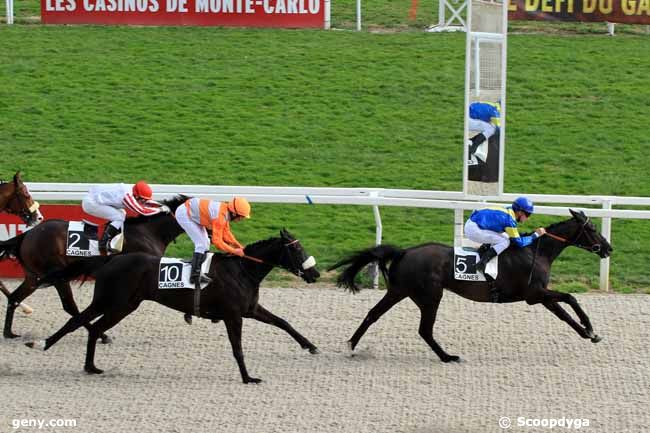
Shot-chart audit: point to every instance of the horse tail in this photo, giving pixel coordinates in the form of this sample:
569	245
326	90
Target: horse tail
10	247
381	254
85	267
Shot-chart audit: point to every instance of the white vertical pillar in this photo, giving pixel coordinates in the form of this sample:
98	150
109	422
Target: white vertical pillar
606	231
10	11
358	15
458	227
378	236
328	9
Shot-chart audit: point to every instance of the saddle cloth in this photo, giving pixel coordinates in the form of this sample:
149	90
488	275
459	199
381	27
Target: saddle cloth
465	260
82	239
175	273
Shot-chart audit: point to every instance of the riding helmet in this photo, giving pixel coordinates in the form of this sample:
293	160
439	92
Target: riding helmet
240	206
142	190
523	204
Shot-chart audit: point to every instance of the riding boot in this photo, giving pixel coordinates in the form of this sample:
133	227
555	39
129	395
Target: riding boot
477	140
485	258
197	261
109	232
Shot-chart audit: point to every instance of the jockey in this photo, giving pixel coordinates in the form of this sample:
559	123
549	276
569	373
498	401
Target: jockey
483	117
497	227
199	214
112	202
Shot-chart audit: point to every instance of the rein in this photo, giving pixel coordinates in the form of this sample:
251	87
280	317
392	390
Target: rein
594	247
256	260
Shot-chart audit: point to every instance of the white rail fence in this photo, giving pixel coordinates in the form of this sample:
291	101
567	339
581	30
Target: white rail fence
376	197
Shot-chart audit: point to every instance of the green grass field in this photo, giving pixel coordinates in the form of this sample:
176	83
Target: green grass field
314	108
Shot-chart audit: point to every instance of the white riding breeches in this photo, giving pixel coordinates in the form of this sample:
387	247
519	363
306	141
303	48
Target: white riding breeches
196	232
114	215
499	241
485	128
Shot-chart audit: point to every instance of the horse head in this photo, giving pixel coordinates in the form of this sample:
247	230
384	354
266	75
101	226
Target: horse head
19	202
287	253
295	259
581	232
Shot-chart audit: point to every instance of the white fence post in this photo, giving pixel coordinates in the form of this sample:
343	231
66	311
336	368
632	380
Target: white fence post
378	236
358	15
606	231
10	11
458	227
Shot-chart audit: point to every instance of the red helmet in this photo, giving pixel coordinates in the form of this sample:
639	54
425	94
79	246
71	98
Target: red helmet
142	190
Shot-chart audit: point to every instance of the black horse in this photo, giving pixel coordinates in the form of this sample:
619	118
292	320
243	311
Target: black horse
127	280
43	249
422	273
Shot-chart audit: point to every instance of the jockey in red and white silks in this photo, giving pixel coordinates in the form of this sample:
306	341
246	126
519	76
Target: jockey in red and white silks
112	202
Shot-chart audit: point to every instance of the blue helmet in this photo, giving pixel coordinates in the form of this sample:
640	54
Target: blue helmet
523	204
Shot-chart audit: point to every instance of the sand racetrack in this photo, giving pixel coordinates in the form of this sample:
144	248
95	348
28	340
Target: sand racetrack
164	376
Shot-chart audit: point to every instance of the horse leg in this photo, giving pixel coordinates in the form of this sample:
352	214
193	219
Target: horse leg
26	309
556	309
233	326
573	302
97	329
70	306
26	288
263	315
384	304
75	322
428	302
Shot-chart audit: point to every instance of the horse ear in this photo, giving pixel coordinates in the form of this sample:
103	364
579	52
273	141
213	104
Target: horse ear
286	235
580	215
17	177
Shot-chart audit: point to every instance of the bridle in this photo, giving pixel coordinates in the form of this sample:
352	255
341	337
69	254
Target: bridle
594	248
21	194
295	269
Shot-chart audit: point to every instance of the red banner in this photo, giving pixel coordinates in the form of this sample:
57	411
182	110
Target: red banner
246	13
613	11
11	226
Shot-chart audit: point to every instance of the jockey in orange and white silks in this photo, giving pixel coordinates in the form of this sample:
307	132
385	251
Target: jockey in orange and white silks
112	202
197	215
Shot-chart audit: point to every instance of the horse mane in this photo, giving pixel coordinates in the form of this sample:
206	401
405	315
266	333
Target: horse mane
172	203
257	244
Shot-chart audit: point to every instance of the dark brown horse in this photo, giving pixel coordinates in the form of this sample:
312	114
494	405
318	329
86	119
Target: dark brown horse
43	249
124	281
421	273
15	199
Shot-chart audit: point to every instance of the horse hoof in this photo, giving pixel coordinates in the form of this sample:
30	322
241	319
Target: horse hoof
91	369
36	344
314	350
252	380
188	318
596	339
451	358
106	339
10	335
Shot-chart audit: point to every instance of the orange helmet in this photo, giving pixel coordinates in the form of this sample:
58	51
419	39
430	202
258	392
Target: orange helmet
240	206
142	190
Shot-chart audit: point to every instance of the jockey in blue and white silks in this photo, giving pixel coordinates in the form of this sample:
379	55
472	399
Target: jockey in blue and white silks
497	226
485	118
